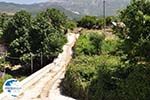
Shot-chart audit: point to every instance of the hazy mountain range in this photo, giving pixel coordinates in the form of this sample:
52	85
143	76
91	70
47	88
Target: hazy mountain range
92	7
72	8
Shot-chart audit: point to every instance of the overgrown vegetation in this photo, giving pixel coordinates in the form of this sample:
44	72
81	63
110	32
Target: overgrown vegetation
89	44
93	22
121	70
136	37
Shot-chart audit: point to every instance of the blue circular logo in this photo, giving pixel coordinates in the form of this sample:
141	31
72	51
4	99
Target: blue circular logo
12	87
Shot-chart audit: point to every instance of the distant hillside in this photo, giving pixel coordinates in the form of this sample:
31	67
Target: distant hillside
34	8
93	7
72	8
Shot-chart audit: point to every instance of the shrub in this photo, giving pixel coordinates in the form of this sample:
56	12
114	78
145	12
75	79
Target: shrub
82	71
123	83
71	25
87	22
89	44
110	46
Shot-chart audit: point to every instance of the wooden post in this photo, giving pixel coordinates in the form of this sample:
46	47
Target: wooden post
41	59
31	62
104	14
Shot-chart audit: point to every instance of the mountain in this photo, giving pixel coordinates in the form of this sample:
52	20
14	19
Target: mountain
72	8
11	8
93	7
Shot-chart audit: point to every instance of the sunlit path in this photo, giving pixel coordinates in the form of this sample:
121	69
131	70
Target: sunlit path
44	84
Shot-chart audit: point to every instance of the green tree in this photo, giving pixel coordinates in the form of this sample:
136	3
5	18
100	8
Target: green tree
137	37
46	37
109	19
57	18
16	34
4	18
100	22
88	22
71	24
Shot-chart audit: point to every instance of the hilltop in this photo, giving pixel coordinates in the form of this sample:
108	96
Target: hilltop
72	8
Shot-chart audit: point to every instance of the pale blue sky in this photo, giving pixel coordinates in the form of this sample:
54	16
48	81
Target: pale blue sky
24	1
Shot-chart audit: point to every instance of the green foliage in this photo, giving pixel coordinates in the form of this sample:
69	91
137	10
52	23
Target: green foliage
1	33
113	78
43	34
105	77
3	20
81	73
87	22
46	37
52	45
57	18
92	22
16	34
110	46
109	20
71	24
18	26
100	22
2	80
123	83
137	37
2	63
89	44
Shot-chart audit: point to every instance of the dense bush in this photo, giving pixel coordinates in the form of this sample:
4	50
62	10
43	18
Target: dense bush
89	44
105	77
87	22
92	22
71	24
137	20
123	83
110	45
81	73
1	34
4	18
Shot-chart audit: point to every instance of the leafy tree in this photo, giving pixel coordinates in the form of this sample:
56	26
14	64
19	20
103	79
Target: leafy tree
137	37
41	27
17	27
43	34
52	44
87	22
71	24
3	20
57	18
109	19
100	22
16	34
47	37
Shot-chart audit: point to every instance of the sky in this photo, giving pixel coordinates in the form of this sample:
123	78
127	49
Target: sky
24	1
